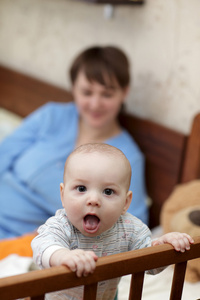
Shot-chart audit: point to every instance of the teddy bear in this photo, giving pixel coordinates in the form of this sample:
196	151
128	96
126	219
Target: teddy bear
181	212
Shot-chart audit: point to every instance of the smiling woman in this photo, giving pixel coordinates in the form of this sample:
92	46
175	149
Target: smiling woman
33	156
98	106
100	84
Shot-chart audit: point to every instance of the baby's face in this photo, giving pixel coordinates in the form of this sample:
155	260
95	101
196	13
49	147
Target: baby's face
95	192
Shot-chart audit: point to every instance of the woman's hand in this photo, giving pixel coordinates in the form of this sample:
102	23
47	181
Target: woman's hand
79	261
180	241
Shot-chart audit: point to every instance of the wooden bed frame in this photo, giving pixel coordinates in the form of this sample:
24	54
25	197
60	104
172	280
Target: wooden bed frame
171	158
37	283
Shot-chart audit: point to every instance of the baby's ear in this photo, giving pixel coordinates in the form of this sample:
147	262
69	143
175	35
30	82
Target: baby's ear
128	202
62	193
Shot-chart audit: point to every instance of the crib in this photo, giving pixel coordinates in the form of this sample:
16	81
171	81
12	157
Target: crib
171	158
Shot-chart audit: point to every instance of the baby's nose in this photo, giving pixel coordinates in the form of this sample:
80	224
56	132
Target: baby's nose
94	200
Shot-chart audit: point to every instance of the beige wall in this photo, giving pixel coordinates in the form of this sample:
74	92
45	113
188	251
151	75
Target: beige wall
162	39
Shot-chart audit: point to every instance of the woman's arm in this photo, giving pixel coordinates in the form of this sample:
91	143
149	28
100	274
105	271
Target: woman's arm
138	206
22	138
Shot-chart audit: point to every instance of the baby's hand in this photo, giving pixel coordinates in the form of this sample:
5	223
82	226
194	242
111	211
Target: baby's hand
180	241
79	261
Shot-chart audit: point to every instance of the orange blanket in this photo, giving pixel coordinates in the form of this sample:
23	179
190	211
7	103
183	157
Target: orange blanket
20	245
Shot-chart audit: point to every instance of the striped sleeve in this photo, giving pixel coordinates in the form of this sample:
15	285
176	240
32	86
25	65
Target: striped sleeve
56	232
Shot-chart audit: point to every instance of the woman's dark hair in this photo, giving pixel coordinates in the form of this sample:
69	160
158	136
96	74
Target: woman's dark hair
102	64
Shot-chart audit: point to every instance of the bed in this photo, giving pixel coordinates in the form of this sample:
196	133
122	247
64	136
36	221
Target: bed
171	158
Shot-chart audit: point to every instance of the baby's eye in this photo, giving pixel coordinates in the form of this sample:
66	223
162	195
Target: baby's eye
108	192
81	188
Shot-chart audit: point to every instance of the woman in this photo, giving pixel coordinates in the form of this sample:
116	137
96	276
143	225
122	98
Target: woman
33	157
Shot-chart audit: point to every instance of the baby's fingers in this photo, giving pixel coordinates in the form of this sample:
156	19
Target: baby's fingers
188	237
185	242
181	241
86	264
72	264
90	263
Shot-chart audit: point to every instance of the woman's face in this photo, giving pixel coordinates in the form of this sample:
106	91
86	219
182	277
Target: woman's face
97	104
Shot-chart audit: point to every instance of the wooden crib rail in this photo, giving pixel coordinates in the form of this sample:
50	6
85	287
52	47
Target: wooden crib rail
36	283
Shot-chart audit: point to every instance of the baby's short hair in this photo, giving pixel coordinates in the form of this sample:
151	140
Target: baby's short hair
104	149
99	147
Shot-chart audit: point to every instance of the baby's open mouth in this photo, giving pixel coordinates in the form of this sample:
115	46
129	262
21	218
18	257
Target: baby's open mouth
91	223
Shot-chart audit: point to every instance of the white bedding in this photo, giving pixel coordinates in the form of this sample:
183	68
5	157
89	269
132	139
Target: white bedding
14	265
8	122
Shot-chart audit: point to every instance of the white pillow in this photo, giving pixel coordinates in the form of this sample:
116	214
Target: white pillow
8	122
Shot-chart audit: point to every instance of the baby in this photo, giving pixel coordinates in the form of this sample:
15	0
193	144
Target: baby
94	222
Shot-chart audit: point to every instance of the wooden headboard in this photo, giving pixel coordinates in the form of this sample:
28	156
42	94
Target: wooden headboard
171	156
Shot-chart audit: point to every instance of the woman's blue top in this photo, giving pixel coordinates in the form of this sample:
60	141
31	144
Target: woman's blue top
32	161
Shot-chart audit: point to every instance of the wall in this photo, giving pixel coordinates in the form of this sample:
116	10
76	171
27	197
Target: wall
161	38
